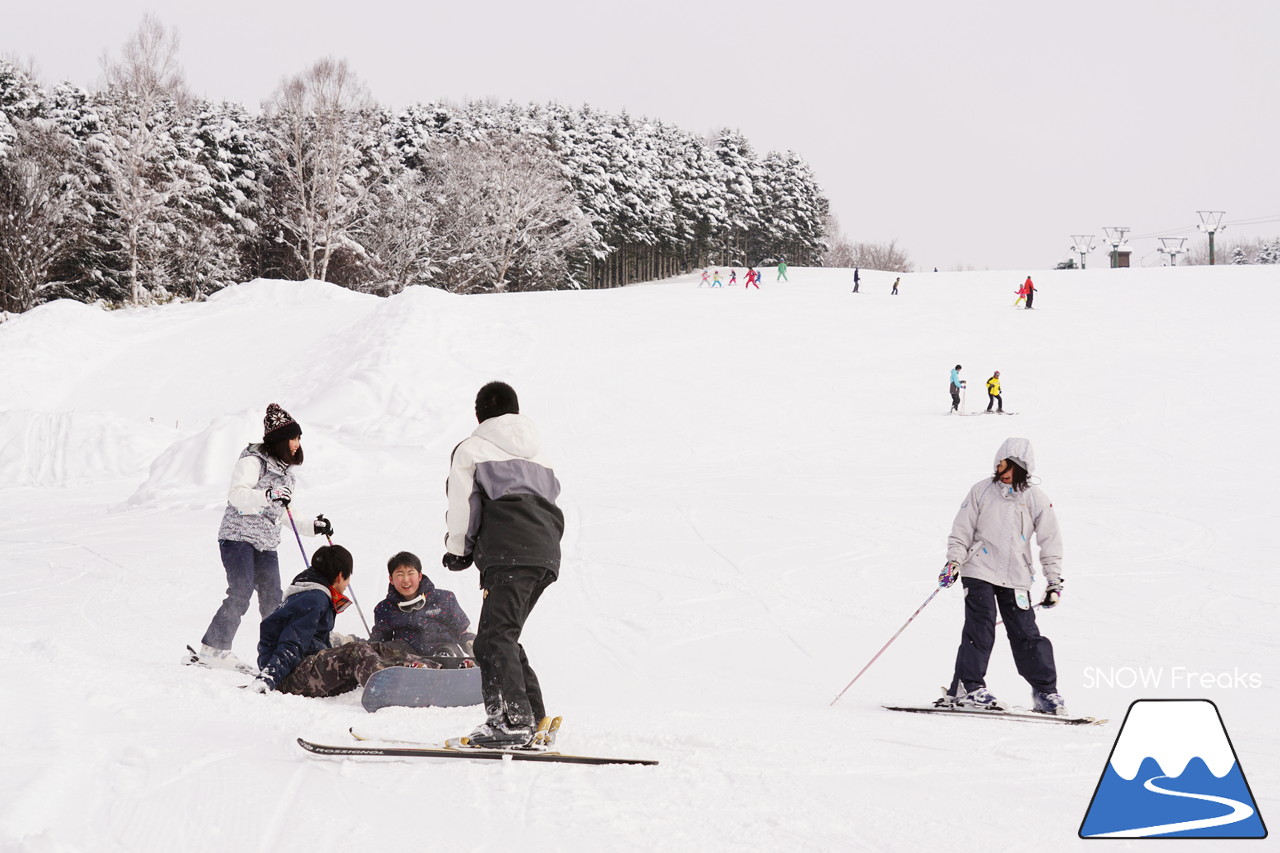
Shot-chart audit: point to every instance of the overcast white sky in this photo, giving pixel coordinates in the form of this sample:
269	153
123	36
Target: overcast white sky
979	135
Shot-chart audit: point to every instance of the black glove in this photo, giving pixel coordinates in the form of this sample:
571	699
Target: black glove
454	563
280	494
323	527
1052	593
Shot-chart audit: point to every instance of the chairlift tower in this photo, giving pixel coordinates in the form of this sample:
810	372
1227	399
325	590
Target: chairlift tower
1082	244
1114	235
1173	246
1211	223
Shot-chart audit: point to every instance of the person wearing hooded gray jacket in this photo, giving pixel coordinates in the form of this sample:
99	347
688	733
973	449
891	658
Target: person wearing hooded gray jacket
989	550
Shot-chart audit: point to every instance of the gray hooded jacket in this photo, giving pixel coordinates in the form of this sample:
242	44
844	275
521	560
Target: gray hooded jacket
502	498
991	535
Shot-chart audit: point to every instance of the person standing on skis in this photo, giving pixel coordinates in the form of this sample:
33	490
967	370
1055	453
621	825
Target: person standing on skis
258	499
955	385
503	516
989	551
1030	292
993	392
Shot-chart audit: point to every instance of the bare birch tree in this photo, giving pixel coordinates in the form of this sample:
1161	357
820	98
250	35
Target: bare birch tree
316	122
514	218
148	66
137	156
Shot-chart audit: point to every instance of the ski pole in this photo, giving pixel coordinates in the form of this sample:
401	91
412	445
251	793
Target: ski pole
306	563
885	646
354	600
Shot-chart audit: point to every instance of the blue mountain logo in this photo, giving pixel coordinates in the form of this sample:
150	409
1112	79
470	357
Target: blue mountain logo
1173	773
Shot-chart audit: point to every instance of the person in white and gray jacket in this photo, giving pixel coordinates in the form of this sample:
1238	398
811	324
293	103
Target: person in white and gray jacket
262	484
989	551
503	517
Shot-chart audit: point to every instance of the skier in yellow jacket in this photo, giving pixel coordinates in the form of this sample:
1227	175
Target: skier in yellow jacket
993	393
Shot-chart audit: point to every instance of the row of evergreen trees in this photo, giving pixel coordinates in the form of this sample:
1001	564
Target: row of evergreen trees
137	192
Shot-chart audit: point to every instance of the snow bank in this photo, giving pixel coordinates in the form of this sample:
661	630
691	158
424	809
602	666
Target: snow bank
62	448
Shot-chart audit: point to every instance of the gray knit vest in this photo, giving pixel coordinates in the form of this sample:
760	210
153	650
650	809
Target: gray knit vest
260	528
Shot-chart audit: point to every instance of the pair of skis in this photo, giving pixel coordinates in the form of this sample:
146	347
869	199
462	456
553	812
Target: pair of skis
538	749
1015	714
193	659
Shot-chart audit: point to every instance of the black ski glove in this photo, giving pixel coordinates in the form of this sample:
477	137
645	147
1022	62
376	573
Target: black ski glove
280	494
323	526
454	563
1052	593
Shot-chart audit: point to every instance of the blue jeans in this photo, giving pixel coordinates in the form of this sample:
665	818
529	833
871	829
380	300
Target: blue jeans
248	569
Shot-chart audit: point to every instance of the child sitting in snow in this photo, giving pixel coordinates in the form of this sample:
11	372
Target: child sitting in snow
295	654
419	613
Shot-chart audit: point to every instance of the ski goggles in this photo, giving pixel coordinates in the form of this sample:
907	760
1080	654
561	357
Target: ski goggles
413	605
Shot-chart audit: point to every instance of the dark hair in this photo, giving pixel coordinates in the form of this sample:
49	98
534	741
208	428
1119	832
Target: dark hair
404	558
330	561
280	450
1019	483
494	399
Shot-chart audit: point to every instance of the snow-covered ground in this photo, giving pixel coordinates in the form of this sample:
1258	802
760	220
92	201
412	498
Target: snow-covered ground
758	487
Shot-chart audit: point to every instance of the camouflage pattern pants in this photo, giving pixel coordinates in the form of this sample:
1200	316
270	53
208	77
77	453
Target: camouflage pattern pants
333	671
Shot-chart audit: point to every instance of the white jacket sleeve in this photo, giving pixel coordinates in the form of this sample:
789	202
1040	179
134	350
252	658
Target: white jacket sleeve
963	529
458	489
1049	538
244	493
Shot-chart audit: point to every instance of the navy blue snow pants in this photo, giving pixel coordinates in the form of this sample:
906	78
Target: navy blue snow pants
1032	652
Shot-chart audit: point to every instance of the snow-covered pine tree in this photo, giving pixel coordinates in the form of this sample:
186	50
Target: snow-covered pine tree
220	147
746	208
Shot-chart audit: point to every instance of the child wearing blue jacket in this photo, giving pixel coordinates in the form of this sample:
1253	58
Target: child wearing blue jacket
295	654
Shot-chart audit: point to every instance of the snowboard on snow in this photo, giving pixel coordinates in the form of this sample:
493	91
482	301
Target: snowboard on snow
411	687
1015	714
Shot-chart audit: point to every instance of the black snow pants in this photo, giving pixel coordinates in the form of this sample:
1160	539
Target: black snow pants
512	695
1032	652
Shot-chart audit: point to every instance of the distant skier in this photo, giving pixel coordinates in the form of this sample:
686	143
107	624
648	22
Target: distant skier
896	281
1021	293
993	393
989	550
782	271
715	281
753	278
956	384
706	278
856	279
733	277
1030	291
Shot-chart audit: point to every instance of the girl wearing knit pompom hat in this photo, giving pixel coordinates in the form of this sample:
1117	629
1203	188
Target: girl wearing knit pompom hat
262	484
